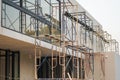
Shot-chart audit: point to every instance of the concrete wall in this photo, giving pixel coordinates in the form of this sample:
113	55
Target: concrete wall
117	66
26	67
110	66
99	67
106	66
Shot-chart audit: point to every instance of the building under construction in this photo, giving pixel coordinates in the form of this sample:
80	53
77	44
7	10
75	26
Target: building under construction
54	40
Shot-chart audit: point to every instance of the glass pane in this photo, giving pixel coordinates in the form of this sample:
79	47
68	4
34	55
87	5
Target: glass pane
16	66
10	17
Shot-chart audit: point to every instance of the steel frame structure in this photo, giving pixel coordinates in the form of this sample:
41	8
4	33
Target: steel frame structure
77	36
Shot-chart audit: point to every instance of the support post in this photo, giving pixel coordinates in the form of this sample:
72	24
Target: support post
13	65
7	64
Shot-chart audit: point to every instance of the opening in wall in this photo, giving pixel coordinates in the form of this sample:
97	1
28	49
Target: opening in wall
9	65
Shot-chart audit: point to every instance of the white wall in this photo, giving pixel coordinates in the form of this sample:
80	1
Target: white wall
112	63
110	66
117	66
98	68
26	67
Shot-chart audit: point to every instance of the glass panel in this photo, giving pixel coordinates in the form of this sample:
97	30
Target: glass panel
10	17
45	7
16	20
16	66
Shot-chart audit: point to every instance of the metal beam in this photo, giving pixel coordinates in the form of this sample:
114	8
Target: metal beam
84	25
40	18
80	22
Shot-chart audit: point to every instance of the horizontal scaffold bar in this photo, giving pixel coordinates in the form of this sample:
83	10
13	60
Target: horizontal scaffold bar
67	14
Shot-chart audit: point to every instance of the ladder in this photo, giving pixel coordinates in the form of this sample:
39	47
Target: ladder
37	56
54	61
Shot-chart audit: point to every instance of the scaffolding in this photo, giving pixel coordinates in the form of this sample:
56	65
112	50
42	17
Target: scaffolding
74	38
69	42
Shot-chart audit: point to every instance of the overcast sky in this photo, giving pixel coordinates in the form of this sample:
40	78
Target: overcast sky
107	13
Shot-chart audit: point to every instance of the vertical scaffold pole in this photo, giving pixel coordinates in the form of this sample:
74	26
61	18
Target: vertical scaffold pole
77	38
35	63
63	38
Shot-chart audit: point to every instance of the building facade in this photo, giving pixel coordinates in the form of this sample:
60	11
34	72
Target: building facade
54	40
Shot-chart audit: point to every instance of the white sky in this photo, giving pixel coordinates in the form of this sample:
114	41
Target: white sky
107	13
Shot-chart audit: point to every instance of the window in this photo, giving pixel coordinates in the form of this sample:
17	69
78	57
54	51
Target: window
9	65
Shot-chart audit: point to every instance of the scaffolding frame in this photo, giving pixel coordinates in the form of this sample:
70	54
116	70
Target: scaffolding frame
78	36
